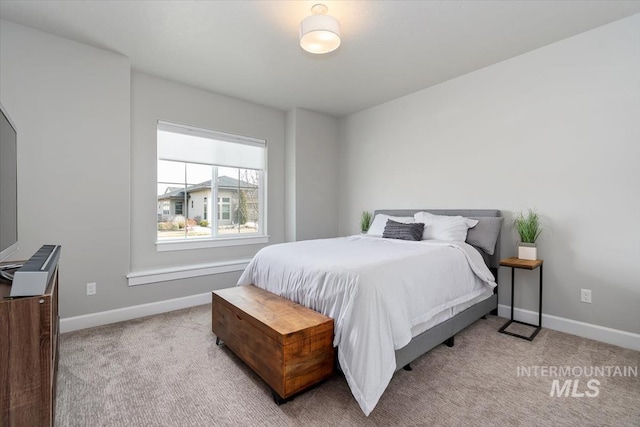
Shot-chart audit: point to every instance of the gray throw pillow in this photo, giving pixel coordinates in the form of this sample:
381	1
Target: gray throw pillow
485	234
399	230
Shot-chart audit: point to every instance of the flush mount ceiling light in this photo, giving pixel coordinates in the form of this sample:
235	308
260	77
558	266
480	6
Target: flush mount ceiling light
319	33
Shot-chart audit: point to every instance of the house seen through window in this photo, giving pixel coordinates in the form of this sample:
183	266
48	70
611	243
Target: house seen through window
196	167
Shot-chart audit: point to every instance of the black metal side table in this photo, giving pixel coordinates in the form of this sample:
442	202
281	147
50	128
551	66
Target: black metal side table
526	264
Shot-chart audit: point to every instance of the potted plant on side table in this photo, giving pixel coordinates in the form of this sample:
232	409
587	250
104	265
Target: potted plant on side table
529	228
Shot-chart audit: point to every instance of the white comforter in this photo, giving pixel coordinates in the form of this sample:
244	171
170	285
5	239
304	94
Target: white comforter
375	289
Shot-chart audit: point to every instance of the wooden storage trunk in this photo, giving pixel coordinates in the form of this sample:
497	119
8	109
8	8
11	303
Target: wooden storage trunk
290	346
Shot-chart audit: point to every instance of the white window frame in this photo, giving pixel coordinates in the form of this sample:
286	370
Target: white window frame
219	241
222	203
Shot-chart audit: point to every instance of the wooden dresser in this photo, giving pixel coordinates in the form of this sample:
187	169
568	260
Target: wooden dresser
290	346
28	356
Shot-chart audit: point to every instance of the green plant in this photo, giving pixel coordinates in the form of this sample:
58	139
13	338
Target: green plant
204	223
365	221
528	226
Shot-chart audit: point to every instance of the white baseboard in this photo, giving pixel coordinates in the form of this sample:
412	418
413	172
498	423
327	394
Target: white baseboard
70	324
574	327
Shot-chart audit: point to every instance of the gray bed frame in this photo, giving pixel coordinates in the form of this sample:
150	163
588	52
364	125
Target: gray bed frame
445	331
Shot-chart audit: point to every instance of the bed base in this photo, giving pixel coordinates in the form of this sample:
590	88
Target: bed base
443	333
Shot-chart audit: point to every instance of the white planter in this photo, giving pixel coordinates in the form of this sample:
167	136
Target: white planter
527	251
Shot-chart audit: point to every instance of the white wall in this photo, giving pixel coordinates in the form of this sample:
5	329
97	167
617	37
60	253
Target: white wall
290	173
85	124
154	99
572	108
312	175
556	129
70	104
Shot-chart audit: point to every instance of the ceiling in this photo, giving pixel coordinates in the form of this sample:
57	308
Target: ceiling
250	50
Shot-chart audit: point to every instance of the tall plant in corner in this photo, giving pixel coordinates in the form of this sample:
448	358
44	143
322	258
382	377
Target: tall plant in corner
529	228
365	221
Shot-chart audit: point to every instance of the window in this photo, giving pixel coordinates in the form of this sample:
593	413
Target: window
199	165
224	208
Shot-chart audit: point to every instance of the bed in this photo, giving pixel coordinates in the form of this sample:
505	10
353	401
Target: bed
391	300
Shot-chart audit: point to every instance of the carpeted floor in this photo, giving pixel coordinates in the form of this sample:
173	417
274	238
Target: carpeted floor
166	370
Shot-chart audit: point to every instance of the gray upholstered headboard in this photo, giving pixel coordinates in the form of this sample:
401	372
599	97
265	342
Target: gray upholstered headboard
492	261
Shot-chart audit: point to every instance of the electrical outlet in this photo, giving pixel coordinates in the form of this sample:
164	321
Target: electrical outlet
585	295
91	288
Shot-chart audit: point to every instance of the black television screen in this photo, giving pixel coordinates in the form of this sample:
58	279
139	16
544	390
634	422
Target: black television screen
8	186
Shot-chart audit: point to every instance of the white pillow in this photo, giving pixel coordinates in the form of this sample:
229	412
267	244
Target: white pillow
380	221
444	227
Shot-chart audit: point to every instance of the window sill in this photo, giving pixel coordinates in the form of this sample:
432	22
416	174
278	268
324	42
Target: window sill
181	245
185	272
